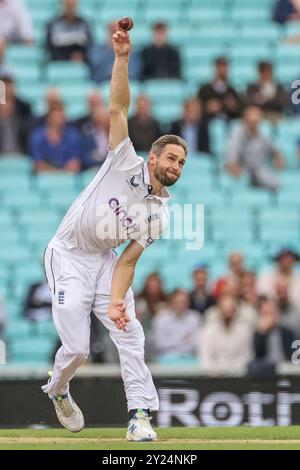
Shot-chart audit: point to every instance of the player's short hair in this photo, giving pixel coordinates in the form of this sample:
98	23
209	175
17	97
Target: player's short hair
159	145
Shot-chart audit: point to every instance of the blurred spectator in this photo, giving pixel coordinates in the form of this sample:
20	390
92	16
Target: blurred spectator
285	270
15	22
219	98
38	305
225	285
95	138
56	146
2	318
236	264
68	35
266	93
2	52
287	10
248	290
94	100
160	60
200	297
226	337
53	99
143	128
248	151
193	127
15	120
289	313
272	342
176	329
102	57
153	297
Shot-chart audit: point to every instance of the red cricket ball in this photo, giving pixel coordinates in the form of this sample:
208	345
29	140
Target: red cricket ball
126	24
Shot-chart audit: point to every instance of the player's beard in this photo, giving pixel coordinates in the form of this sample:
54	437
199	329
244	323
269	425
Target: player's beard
163	178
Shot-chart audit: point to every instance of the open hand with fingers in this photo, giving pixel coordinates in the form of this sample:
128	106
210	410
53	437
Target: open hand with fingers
117	313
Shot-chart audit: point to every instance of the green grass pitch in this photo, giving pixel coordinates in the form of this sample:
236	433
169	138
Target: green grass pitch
242	438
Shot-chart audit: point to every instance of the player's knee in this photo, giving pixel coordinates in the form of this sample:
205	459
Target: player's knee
135	334
81	357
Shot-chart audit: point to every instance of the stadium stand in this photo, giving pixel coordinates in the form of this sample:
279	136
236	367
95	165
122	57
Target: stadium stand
236	216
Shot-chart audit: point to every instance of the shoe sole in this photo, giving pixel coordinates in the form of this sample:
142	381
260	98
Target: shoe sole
66	427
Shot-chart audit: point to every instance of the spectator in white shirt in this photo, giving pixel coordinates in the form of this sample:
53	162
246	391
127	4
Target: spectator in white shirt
176	329
15	22
226	338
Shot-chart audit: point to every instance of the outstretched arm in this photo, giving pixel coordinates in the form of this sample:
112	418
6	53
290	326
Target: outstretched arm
121	281
119	90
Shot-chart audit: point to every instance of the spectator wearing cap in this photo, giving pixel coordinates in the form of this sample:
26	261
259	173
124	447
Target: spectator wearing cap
248	151
68	35
160	59
267	94
219	98
143	128
15	23
226	338
176	329
193	127
272	341
102	56
286	260
56	146
200	297
16	119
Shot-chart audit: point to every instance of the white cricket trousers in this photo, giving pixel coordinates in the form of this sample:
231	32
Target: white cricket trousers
80	283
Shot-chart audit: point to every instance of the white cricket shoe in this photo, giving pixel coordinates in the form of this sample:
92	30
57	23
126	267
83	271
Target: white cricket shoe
68	413
140	429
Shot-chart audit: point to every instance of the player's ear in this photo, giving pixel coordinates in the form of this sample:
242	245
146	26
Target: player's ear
152	158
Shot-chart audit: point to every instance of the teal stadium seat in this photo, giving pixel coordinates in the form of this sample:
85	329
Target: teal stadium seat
14	253
18	54
59	72
252	198
12	182
204	13
261	33
248	53
31	350
27	73
276	225
112	11
53	182
20	201
161	13
165	91
12	165
18	330
203	55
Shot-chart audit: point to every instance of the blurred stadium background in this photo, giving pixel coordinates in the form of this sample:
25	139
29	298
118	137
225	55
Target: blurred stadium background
253	221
